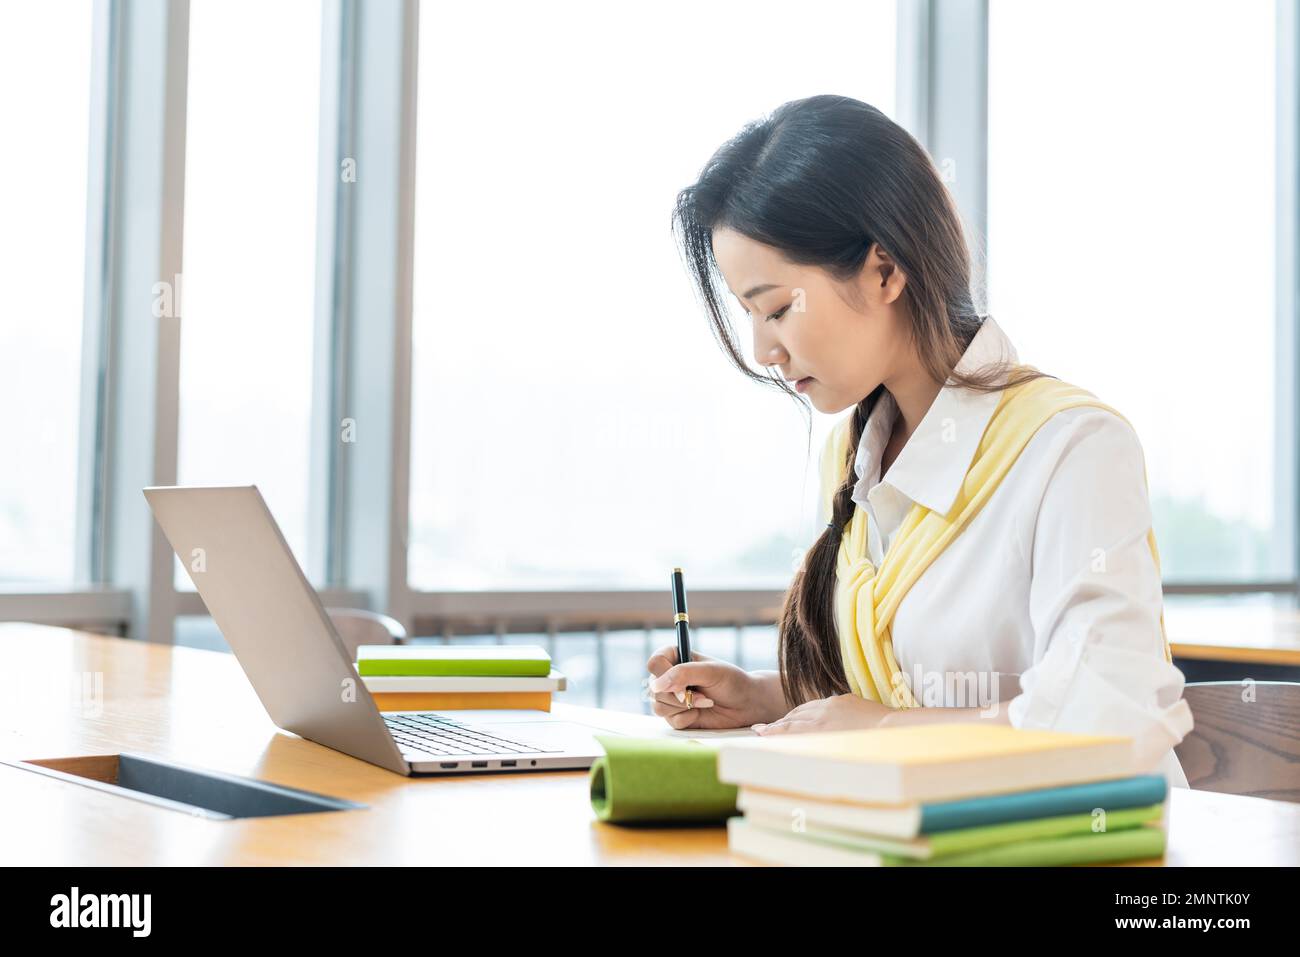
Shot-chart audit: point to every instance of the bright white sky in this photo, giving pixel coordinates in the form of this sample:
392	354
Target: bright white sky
45	47
1132	224
599	437
250	252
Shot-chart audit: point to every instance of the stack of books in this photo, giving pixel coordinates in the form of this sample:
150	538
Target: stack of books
942	795
458	677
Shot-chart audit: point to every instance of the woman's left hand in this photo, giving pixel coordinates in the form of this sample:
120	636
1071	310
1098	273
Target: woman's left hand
841	712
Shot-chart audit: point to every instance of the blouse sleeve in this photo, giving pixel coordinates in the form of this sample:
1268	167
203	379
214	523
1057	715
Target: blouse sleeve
1095	600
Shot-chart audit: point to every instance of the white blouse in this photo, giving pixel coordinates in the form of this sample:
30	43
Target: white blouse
1050	596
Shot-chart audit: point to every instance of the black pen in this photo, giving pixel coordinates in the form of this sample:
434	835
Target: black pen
682	622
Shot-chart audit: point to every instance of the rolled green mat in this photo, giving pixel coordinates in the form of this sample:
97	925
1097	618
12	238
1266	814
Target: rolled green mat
659	779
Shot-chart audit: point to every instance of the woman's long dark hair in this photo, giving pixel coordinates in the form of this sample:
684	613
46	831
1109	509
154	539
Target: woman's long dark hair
822	179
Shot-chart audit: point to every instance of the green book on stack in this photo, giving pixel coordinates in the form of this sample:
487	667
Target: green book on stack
460	660
962	843
774	846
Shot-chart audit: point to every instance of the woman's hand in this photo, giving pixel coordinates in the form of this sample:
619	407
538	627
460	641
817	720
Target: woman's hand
841	712
725	696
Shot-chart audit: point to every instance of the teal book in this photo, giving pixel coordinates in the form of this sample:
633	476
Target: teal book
1137	791
907	821
454	660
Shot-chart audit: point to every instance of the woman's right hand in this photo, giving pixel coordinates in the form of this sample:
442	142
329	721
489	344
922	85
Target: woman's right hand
725	696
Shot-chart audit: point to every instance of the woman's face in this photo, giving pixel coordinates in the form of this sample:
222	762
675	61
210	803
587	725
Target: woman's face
803	326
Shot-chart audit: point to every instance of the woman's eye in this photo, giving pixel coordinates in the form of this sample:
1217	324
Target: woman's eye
778	315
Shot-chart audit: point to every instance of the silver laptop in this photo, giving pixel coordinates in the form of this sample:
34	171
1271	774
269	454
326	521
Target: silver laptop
273	620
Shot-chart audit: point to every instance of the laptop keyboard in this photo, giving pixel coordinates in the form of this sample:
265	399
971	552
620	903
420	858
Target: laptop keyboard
434	734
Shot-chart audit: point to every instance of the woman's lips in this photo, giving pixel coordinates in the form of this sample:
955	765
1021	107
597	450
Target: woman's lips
802	384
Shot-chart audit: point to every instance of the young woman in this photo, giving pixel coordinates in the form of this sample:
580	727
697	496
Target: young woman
988	552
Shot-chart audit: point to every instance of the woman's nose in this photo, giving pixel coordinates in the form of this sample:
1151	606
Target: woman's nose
767	351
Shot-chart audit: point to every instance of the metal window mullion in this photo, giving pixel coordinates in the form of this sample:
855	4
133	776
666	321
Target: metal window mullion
602	633
373	358
912	68
959	119
191	603
942	99
399	588
108	608
105	85
326	542
565	610
1286	443
141	353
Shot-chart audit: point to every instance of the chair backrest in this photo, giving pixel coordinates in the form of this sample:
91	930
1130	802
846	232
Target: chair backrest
1246	738
358	627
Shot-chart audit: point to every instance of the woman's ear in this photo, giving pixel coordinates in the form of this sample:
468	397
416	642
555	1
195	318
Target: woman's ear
884	279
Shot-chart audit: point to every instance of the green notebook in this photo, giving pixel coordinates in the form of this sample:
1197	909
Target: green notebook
1129	844
746	838
459	660
961	841
659	779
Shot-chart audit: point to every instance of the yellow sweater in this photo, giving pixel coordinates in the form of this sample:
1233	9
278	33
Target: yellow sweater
866	598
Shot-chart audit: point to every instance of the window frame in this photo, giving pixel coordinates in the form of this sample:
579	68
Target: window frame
359	503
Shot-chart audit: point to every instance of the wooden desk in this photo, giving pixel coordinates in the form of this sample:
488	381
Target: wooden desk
196	707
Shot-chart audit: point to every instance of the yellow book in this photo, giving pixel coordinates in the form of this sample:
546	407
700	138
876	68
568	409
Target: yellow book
927	762
461	700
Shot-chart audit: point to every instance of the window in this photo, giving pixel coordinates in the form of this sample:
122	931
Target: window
43	169
247	292
574	426
1131	246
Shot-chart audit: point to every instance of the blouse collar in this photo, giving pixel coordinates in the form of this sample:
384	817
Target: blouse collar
932	465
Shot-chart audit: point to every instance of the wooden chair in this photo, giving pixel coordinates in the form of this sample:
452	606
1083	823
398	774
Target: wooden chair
358	627
1240	744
